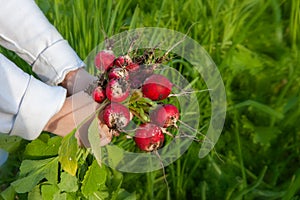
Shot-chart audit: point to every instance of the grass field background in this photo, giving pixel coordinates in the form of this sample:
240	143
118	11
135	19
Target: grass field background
255	44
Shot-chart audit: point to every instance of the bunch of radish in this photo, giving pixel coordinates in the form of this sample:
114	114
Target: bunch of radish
129	88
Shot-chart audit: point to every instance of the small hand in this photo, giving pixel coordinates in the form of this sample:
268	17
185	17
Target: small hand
78	111
77	80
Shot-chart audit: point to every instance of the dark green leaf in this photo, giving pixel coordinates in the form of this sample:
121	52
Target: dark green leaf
9	143
33	171
49	147
44	137
116	182
8	193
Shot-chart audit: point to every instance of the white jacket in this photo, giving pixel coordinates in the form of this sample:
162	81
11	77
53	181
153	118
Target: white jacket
27	104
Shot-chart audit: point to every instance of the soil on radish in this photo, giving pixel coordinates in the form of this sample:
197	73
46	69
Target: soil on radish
116	116
117	90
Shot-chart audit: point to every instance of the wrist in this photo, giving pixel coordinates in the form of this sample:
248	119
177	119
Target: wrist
68	82
62	122
77	80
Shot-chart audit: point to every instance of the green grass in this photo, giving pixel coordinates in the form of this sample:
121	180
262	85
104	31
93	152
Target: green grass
255	44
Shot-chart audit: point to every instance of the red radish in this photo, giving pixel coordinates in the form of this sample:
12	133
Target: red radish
156	87
115	116
149	137
122	61
117	73
104	60
165	115
117	90
99	94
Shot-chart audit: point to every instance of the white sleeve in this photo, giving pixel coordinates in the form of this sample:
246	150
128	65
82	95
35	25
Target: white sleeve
25	30
26	104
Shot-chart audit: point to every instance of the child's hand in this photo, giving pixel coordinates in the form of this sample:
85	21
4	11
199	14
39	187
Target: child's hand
78	111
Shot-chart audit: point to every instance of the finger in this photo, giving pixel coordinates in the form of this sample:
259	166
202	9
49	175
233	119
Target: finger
106	134
83	114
